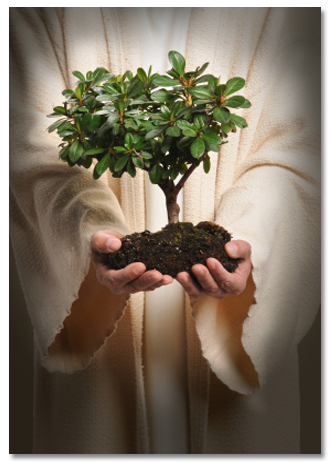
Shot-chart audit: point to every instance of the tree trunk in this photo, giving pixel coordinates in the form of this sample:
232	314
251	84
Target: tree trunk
173	210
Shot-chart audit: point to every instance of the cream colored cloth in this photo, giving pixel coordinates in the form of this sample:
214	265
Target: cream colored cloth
264	187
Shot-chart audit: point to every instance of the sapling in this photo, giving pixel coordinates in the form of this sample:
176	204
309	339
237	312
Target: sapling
166	125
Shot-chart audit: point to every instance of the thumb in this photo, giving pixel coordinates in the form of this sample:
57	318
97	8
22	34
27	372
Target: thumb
238	249
104	242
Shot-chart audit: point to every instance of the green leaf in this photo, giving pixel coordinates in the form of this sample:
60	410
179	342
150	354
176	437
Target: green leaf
111	119
131	169
101	166
220	89
211	138
226	128
201	102
212	84
94	151
200	92
173	131
121	162
166	144
154	133
59	110
183	124
79	76
162	96
129	139
177	61
165	112
155	173
206	164
135	89
183	111
89	75
120	149
233	85
165	81
87	163
138	162
76	150
98	74
142	74
78	92
188	132
86	120
67	93
199	121
247	104
221	115
199	70
234	102
95	123
165	174
146	155
64	152
185	141
174	174
173	73
197	148
54	126
239	121
205	78
213	147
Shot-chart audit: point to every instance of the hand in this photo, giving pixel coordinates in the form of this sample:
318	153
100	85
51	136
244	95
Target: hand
214	280
132	278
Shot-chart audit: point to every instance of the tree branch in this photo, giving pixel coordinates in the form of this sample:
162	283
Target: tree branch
187	174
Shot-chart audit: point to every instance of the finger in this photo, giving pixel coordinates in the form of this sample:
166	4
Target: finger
116	279
238	249
205	279
163	282
222	277
105	242
243	250
146	281
189	285
231	283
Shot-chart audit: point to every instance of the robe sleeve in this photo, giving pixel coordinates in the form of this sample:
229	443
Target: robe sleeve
54	209
274	204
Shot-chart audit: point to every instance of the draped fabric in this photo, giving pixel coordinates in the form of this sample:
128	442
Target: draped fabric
264	187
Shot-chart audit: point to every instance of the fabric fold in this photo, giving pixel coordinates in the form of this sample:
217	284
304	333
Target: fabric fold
54	209
268	193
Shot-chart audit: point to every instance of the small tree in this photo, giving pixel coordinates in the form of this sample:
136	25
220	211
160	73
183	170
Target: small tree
165	125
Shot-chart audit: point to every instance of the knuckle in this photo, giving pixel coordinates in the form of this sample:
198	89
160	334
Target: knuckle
226	285
212	289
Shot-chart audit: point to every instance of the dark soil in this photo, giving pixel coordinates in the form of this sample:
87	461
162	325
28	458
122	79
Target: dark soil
176	248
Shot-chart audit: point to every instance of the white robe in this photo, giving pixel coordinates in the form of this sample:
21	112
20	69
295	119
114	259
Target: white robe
264	187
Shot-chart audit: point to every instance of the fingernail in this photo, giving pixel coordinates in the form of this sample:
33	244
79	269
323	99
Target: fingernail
112	244
138	269
211	264
232	248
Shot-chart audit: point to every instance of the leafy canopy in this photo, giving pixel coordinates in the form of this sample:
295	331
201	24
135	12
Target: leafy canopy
161	124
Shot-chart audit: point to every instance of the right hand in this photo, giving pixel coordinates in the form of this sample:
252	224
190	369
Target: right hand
130	279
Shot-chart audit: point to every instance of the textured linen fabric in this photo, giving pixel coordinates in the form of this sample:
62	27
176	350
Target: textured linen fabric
264	187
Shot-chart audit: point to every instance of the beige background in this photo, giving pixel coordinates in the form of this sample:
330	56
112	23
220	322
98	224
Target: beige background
21	376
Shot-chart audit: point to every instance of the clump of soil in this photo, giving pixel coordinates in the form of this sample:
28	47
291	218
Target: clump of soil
176	248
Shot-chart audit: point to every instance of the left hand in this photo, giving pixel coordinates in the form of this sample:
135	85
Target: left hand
214	280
